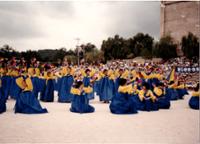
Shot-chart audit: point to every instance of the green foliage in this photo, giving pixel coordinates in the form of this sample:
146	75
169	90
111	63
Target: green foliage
120	48
94	56
165	48
190	45
115	47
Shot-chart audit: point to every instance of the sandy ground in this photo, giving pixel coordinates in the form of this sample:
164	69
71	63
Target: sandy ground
180	124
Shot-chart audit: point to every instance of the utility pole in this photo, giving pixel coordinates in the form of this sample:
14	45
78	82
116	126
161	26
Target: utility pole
77	46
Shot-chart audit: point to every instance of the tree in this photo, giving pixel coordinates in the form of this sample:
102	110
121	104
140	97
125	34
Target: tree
165	48
139	42
115	48
190	45
88	47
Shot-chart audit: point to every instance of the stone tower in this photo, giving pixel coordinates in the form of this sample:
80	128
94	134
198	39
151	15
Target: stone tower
177	18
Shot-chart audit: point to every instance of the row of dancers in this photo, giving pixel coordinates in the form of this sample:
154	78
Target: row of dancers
127	90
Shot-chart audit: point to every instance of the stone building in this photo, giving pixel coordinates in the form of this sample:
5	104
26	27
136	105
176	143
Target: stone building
177	18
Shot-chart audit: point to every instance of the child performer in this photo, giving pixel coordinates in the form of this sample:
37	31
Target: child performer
194	100
80	103
47	95
122	103
27	102
159	92
148	100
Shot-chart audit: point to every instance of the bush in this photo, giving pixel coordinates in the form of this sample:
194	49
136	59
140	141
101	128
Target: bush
190	45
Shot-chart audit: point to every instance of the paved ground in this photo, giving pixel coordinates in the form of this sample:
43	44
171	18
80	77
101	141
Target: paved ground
180	124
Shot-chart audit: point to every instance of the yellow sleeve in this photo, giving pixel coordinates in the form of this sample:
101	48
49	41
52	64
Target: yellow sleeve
75	91
116	73
64	71
87	89
159	76
45	75
125	74
141	95
29	85
195	93
126	89
145	75
19	82
180	86
172	86
37	72
101	75
83	72
112	77
72	71
150	93
157	91
92	73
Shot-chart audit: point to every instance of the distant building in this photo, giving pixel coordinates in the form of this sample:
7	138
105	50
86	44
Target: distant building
177	18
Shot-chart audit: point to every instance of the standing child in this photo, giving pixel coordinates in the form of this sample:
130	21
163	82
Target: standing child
47	95
2	99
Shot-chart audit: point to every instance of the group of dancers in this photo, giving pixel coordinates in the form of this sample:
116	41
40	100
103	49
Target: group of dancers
127	90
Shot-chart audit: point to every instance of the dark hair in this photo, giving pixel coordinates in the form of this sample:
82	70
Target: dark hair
161	84
146	85
122	81
78	84
105	70
197	87
171	82
87	70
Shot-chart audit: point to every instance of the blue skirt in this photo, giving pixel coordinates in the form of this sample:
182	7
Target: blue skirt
123	104
181	93
194	102
41	84
163	102
56	83
28	104
2	102
64	94
47	95
137	101
86	83
107	89
36	89
172	94
14	88
148	105
97	87
80	104
6	82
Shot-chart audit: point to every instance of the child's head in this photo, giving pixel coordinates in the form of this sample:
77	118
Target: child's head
145	86
105	71
87	71
122	81
197	87
120	71
171	82
48	73
78	84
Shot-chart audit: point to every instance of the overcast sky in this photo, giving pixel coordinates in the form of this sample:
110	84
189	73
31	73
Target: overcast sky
51	25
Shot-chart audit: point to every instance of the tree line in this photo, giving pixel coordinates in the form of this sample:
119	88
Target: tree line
113	48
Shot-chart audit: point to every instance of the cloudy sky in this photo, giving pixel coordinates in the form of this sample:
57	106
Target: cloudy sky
51	25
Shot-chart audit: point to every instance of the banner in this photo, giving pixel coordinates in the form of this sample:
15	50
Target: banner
187	69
